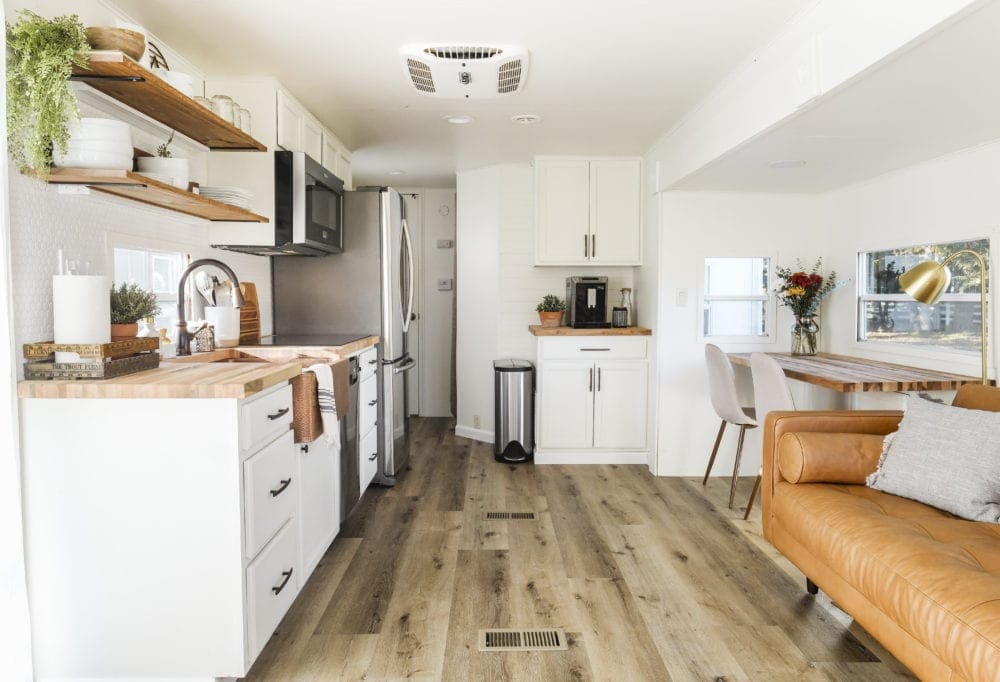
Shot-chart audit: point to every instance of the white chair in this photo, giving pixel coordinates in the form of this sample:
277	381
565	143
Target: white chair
771	393
726	403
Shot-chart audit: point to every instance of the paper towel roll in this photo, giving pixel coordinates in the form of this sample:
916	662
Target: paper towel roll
81	308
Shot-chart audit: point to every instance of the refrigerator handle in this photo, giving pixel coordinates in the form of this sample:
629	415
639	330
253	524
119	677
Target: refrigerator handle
408	245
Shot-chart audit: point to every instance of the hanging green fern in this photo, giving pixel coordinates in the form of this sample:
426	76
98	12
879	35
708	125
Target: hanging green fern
41	54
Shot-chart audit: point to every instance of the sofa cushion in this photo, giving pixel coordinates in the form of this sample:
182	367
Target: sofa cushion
828	457
938	577
944	456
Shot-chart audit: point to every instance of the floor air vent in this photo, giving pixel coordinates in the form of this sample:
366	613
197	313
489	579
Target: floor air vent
522	640
516	516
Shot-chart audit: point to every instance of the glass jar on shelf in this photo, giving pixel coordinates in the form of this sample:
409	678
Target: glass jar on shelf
224	107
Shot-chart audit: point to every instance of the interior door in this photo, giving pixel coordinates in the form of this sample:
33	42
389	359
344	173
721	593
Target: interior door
566	404
562	194
620	404
615	205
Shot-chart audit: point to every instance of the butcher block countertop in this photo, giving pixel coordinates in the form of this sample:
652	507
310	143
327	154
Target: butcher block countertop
539	330
225	373
848	374
172	380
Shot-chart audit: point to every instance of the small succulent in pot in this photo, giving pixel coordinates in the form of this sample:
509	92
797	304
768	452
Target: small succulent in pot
129	304
550	310
163	151
166	167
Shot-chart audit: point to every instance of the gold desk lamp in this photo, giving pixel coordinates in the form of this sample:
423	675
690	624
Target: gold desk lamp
926	281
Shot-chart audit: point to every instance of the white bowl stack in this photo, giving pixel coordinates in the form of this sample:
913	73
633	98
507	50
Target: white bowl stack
97	143
234	196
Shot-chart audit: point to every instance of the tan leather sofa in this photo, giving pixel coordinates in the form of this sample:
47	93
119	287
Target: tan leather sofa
922	582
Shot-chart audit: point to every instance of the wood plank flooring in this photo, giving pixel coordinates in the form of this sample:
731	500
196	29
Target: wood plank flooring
651	578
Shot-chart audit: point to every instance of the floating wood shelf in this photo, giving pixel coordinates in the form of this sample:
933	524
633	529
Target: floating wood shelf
124	79
148	191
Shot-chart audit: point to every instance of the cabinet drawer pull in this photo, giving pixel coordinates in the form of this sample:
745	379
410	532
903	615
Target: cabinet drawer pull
373	456
596	350
373	402
285	482
279	414
590	386
287	575
593	246
586	251
373	362
598	378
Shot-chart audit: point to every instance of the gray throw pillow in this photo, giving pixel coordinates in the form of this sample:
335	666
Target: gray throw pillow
946	457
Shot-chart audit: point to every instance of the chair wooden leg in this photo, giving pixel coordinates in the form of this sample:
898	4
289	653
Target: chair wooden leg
811	587
715	451
753	495
736	465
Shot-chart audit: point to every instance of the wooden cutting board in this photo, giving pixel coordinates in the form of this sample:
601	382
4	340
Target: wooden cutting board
250	314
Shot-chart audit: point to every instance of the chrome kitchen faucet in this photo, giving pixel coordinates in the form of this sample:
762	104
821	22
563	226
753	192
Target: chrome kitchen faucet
183	338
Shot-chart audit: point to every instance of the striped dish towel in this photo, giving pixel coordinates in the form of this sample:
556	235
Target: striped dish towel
327	402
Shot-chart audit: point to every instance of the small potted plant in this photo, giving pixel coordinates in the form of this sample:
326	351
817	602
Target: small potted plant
550	310
164	167
41	54
129	304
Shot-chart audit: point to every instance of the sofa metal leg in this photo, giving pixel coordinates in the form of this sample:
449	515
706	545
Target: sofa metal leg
736	465
753	495
811	587
715	451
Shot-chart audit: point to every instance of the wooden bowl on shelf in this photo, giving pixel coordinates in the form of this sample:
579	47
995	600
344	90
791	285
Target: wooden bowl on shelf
131	43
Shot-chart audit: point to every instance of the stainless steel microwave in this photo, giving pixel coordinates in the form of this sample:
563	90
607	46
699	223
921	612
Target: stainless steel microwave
308	210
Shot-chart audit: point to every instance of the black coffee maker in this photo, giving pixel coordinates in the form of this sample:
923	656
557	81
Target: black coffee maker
587	302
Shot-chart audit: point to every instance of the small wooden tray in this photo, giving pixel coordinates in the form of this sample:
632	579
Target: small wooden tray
95	369
96	351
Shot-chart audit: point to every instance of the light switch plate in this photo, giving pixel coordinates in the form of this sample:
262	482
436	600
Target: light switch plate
445	243
682	298
445	284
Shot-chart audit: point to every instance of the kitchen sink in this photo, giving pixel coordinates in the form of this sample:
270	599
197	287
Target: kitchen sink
221	355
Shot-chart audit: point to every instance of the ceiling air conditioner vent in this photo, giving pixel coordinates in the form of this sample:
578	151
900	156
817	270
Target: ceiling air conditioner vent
421	75
465	71
463	52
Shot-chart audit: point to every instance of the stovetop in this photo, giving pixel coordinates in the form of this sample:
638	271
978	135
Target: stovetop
318	340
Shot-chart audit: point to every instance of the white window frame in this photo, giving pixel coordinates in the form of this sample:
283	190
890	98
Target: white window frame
768	299
955	359
168	302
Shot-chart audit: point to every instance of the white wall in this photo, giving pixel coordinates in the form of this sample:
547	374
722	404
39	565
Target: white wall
948	199
695	225
496	239
477	243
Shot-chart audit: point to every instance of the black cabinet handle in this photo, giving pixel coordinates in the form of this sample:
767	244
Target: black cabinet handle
372	458
287	576
373	362
372	402
586	253
279	414
304	448
285	482
595	350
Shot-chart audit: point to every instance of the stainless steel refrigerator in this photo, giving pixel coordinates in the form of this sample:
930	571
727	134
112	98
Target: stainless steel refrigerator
367	289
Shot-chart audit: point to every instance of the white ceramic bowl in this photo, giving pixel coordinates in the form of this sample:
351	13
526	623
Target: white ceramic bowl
109	146
178	170
159	177
107	127
84	159
182	81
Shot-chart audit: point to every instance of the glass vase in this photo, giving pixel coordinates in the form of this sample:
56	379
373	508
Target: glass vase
805	336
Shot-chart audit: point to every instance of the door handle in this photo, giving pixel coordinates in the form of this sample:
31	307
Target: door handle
285	482
287	575
598	378
586	247
593	246
405	367
590	388
372	457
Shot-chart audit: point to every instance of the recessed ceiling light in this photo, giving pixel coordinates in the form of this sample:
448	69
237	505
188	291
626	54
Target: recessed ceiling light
459	119
397	172
786	163
526	119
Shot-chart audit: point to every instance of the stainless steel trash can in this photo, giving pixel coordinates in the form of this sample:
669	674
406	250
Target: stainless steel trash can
514	410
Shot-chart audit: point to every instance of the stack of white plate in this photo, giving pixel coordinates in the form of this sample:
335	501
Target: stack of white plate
235	196
182	81
97	143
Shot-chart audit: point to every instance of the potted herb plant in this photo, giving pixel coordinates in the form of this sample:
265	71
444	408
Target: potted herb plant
129	304
550	310
802	292
165	167
41	54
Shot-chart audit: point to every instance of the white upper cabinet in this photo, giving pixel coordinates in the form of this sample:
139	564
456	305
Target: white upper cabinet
312	138
331	153
588	211
615	212
290	116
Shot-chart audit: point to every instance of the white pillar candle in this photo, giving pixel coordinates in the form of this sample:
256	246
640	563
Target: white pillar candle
81	311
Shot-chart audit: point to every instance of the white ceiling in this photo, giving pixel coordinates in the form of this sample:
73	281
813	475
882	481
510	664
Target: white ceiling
940	96
608	77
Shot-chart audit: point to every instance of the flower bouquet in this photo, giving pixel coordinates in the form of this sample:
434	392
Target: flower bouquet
802	292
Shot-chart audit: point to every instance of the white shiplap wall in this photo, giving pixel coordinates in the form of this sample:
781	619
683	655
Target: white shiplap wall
522	284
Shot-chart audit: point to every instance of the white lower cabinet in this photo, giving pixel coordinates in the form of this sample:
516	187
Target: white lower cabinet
592	400
368	459
319	500
159	552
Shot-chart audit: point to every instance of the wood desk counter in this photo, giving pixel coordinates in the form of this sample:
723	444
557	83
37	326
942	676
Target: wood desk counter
848	374
539	330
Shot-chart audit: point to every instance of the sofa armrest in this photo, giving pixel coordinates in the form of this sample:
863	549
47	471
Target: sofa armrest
777	424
